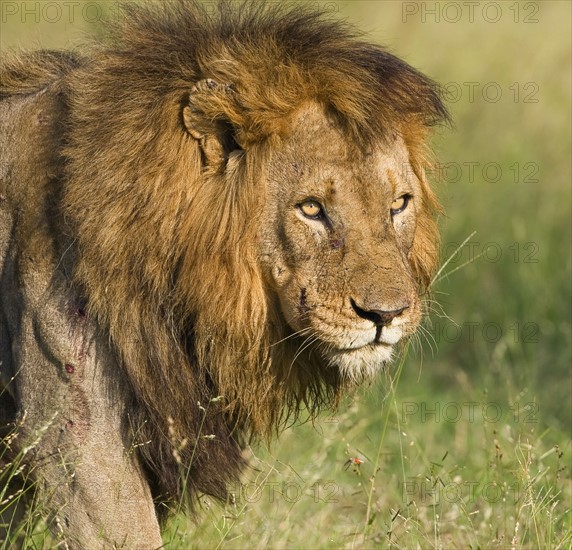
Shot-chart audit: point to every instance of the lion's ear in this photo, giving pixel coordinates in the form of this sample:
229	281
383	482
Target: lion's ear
204	119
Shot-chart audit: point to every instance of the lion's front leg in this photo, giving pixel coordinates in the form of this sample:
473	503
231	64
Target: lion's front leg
72	411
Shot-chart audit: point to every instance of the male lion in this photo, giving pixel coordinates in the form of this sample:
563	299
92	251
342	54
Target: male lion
207	223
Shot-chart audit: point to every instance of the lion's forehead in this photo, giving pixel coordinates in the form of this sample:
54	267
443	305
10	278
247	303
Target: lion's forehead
318	153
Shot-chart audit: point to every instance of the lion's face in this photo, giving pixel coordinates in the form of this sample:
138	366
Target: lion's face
335	244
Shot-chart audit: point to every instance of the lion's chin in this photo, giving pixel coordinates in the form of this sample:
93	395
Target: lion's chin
362	363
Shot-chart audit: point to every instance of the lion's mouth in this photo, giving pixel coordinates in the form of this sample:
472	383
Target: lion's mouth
389	335
358	363
355	349
385	337
359	352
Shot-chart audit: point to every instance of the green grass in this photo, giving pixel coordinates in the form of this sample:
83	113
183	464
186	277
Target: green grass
466	444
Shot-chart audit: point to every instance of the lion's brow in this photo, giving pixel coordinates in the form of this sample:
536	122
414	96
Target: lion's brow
392	179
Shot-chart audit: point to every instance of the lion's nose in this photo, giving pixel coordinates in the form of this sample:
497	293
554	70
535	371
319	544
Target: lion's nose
378	317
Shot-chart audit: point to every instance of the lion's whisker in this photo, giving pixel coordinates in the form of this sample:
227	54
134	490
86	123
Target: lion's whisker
423	332
305	345
297	333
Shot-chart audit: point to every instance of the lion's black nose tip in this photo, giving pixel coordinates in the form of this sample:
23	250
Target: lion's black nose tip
379	317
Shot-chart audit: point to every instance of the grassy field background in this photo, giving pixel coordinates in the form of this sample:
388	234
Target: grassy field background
466	442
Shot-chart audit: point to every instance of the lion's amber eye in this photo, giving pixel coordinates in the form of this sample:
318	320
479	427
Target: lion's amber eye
311	209
400	204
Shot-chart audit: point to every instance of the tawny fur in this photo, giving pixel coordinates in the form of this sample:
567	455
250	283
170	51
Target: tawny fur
164	251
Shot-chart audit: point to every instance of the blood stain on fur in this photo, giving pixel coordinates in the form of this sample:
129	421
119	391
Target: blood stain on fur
337	243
